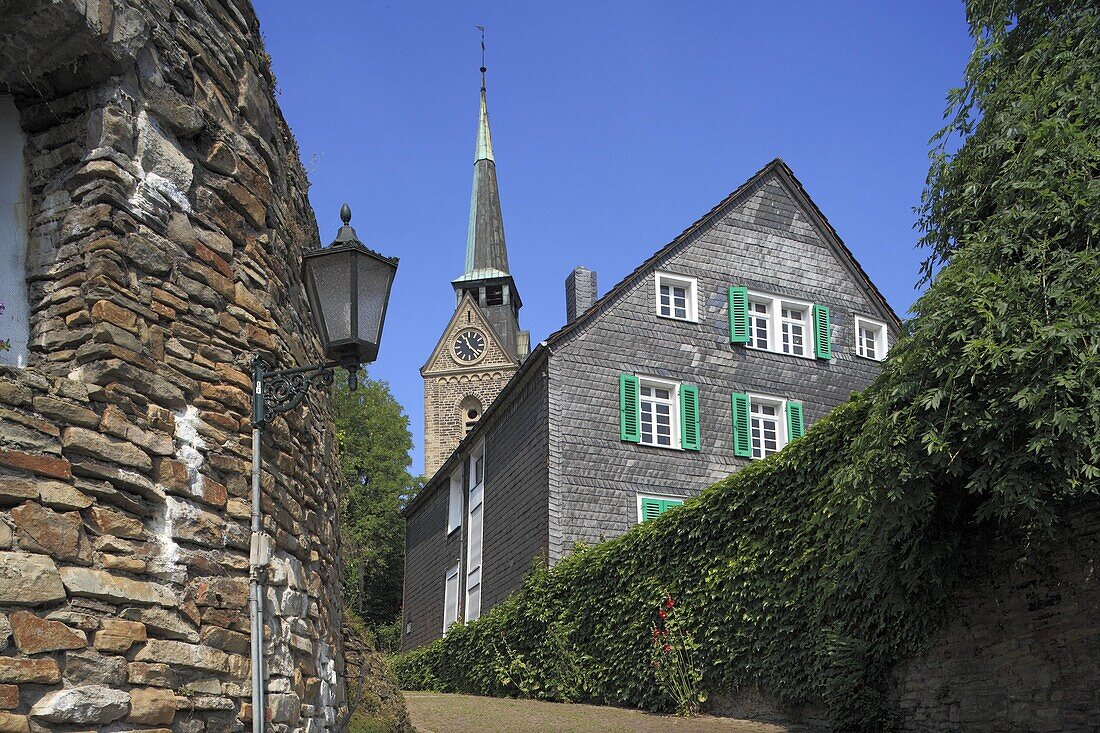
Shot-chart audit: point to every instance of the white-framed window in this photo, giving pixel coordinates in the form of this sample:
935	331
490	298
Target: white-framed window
454	502
763	424
658	409
760	324
780	324
793	330
676	297
871	342
651	506
14	205
450	598
769	434
474	528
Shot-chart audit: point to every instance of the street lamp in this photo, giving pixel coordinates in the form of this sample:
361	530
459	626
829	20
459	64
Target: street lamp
348	287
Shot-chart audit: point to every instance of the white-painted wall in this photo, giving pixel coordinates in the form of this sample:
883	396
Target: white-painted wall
14	202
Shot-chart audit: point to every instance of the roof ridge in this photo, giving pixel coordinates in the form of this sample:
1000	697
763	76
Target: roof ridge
776	164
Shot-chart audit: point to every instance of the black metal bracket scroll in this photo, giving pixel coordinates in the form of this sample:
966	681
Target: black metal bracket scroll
277	391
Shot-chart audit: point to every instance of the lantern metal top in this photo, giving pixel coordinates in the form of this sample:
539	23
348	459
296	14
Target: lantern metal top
347	233
347	238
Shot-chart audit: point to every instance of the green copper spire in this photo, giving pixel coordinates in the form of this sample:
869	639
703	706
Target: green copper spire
486	254
484	139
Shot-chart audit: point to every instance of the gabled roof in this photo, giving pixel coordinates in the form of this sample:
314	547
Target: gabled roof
545	348
794	186
482	322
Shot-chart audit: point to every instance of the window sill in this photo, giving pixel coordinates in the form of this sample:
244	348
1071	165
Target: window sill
452	531
681	320
808	357
871	358
660	447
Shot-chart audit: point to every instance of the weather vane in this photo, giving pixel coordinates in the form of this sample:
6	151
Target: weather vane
482	29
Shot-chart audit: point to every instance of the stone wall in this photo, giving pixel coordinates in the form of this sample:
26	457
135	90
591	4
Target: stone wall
1021	648
167	217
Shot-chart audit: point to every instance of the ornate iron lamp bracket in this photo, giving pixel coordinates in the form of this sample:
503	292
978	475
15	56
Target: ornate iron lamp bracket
277	391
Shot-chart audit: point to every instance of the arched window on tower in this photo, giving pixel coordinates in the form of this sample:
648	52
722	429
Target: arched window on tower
470	410
15	315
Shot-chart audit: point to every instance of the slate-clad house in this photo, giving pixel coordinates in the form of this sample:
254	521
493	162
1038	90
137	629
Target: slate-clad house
719	349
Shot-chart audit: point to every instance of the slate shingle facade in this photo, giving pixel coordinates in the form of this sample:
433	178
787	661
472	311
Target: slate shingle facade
557	470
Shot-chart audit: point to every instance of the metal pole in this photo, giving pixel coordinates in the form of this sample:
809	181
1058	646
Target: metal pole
255	597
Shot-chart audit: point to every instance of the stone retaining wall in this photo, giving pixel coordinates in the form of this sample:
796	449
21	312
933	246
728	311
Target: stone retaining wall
1021	649
167	214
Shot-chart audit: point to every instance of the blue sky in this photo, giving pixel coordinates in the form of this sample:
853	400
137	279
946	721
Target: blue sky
615	126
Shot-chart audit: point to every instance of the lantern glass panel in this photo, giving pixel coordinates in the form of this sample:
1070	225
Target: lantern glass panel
331	274
375	279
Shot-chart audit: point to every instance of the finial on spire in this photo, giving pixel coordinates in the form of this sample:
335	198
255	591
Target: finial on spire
345	214
482	29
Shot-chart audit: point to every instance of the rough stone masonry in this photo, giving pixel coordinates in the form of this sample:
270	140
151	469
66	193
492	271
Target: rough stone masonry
167	216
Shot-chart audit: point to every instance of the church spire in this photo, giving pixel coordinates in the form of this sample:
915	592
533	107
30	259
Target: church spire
486	254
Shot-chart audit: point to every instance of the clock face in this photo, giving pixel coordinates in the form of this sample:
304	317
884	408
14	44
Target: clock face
469	346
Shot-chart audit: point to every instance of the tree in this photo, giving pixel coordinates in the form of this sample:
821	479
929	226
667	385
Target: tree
372	432
992	401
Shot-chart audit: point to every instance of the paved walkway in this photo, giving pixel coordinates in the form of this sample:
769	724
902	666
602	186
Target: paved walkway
433	712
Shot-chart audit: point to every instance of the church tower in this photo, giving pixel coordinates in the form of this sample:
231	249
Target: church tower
482	345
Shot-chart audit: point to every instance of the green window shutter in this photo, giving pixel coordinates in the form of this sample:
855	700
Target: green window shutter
822	344
739	315
742	441
651	509
630	427
689	417
795	426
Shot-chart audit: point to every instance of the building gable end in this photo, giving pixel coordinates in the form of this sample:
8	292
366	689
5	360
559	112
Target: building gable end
467	315
777	173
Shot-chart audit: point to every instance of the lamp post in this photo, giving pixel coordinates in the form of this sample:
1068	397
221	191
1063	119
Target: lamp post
348	287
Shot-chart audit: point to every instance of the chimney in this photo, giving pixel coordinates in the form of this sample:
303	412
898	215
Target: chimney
580	292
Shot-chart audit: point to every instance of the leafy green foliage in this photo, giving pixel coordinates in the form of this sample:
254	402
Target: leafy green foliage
377	705
811	573
372	432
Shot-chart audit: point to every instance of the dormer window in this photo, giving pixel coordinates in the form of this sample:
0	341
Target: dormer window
15	311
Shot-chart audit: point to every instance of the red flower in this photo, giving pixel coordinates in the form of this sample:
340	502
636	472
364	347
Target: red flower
669	603
668	648
661	614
